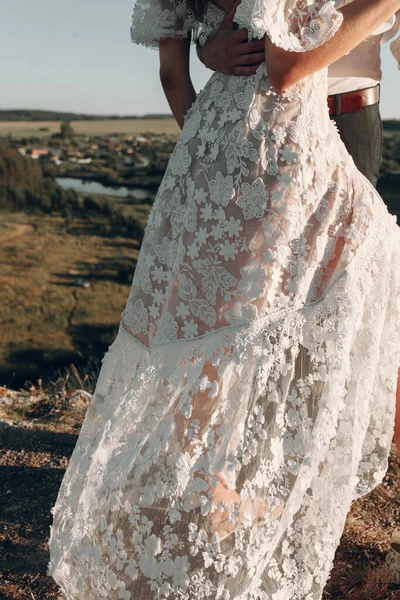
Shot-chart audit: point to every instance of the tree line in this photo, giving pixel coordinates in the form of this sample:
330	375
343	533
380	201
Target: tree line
51	115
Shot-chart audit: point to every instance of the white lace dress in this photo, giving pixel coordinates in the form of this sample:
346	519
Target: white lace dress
257	353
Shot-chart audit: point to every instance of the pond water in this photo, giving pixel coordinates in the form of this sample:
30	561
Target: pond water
94	187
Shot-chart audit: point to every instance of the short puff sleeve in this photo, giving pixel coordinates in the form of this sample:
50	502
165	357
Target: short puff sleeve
155	20
294	25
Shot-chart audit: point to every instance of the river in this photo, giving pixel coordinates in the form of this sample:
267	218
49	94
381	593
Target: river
94	187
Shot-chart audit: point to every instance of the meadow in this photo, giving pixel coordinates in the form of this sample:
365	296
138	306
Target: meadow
21	129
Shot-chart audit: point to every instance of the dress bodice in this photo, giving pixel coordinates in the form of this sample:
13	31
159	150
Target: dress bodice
212	19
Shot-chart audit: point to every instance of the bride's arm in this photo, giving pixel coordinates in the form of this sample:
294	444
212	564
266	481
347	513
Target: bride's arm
175	76
360	19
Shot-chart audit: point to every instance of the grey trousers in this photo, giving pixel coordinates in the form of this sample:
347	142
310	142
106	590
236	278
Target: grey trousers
362	134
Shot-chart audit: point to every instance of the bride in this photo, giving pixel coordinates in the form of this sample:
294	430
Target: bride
249	396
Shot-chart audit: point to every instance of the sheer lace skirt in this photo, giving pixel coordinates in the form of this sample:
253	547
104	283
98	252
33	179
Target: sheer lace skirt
249	396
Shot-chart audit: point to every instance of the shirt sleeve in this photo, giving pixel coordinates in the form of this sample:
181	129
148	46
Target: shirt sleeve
155	20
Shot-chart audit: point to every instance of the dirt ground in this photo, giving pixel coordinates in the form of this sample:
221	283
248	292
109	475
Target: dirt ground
38	431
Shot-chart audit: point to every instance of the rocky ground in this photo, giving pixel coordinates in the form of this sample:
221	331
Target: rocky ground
38	431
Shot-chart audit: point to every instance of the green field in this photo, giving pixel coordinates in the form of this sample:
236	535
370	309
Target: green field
19	129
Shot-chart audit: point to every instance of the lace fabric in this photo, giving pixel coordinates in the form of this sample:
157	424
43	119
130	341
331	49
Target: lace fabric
156	20
256	360
293	25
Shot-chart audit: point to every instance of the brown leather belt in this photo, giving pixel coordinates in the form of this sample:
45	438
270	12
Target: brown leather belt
353	101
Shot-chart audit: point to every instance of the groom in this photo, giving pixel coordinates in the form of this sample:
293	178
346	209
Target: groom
353	88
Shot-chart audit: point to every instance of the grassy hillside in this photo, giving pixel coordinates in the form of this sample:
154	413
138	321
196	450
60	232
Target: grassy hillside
49	319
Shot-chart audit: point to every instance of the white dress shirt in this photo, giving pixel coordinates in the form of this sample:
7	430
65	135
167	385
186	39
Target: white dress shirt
361	68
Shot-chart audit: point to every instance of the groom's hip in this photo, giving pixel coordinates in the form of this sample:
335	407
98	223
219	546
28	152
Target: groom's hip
359	123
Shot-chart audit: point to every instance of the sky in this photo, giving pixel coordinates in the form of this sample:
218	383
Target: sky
76	55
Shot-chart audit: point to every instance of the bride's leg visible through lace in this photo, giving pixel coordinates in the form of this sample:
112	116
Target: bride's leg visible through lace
229	510
232	511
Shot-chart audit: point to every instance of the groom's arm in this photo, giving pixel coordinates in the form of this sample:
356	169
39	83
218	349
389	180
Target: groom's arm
228	50
360	19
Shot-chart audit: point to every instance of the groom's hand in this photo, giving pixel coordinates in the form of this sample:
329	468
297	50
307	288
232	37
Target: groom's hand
228	50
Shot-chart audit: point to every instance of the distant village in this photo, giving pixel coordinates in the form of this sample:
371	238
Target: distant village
140	160
116	158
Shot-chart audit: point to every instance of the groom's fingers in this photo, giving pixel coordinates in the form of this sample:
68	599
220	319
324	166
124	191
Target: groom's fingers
250	59
245	70
250	47
228	18
238	36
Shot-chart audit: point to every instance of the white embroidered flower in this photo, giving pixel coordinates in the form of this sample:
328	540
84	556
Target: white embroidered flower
190	329
253	199
167	328
169	182
219	215
200	195
285	177
223	119
233	227
201	235
228	250
154	311
277	194
206	212
149	566
201	149
153	544
136	316
234	115
159	275
212	135
169	252
217	231
221	189
193	251
158	296
191	127
288	155
182	310
180	160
